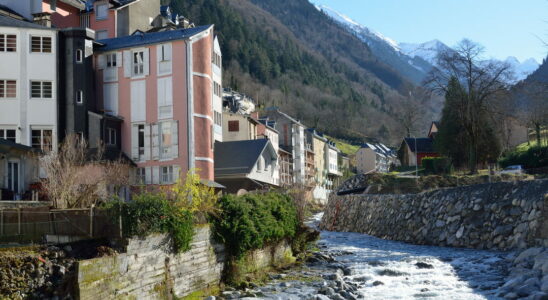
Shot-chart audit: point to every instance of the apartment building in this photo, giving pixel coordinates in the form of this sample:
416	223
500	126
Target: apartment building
28	83
161	84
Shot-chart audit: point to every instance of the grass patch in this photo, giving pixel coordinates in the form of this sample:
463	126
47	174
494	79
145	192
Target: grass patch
345	147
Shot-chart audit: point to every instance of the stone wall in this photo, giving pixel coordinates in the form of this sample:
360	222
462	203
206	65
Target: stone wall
505	215
149	269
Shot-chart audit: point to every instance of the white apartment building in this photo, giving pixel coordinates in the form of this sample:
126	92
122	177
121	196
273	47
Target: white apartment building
28	83
217	66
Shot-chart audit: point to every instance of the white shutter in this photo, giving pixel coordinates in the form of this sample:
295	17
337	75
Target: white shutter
161	97
101	61
119	62
127	64
138	101
176	173
175	139
146	62
110	98
148	175
135	142
167	51
147	142
155	142
156	175
159	53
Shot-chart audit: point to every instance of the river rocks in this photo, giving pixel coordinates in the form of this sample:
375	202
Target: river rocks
501	216
422	265
527	275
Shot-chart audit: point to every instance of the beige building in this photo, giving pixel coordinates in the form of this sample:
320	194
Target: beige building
238	127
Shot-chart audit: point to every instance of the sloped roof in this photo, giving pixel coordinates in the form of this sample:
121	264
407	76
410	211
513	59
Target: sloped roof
424	145
140	39
13	22
7	144
238	157
75	3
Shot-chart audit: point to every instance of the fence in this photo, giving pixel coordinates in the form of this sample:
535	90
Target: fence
39	224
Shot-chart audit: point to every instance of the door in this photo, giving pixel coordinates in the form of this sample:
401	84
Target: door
13	176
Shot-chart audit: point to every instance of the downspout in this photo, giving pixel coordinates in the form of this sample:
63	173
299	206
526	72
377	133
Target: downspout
190	105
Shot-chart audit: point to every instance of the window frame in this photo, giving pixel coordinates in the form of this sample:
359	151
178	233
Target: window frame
4	88
42	89
79	97
111	61
4	134
41	39
42	136
166	171
165	151
137	65
111	137
79	56
4	42
140	175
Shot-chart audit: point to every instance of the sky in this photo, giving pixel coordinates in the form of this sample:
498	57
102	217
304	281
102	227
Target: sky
504	27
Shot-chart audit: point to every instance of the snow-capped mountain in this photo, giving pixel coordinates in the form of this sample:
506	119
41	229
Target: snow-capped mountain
522	69
413	61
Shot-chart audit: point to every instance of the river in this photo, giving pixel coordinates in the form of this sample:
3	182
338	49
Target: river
380	269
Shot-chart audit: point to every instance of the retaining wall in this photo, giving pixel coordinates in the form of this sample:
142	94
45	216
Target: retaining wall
505	215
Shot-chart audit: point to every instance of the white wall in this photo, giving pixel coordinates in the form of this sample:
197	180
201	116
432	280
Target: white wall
217	100
24	66
261	174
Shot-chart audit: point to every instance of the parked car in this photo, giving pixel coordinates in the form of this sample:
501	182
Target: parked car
515	169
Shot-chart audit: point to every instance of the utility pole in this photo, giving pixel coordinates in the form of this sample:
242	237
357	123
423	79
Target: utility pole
416	160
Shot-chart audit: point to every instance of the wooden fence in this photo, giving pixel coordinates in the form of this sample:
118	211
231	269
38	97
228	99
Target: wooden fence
33	224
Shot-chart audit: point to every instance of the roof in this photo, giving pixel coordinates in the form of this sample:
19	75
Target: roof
140	39
7	144
13	22
80	4
238	157
6	10
276	110
111	154
424	145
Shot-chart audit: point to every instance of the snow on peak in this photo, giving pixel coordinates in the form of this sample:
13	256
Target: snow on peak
522	69
355	26
427	51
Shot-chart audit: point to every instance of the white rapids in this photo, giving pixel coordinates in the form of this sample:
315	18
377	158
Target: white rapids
389	270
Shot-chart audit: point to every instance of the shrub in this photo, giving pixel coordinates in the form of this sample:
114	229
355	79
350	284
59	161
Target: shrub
193	196
253	220
436	165
153	213
534	157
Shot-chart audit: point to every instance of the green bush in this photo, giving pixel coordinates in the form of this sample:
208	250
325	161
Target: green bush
534	157
436	165
252	221
153	213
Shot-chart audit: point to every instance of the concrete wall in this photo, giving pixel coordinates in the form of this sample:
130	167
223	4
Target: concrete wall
148	270
505	215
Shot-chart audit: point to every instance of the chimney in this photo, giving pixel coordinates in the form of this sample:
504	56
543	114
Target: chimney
184	22
43	18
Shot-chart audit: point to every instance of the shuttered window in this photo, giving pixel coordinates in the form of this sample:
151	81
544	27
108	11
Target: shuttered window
8	89
41	89
234	125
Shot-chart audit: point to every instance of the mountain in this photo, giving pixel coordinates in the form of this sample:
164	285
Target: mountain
413	61
288	54
413	67
522	69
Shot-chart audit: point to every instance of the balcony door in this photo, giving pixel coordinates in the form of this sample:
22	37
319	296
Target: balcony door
13	173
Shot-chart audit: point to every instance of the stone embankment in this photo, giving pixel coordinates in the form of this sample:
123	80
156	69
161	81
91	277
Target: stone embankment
502	216
528	275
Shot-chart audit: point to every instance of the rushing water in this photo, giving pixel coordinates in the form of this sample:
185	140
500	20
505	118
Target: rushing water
388	270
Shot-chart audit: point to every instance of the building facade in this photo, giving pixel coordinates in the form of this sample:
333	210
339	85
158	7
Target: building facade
161	85
28	83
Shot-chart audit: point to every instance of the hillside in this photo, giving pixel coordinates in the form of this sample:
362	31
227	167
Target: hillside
288	54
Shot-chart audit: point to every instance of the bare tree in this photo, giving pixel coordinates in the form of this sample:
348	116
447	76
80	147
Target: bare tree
76	178
483	82
410	115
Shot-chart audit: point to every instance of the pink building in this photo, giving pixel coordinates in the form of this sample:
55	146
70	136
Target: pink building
161	84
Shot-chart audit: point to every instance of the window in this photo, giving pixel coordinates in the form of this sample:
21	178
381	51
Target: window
216	89
141	139
218	118
111	137
138	63
165	140
216	58
79	56
260	164
8	88
8	43
40	44
8	134
166	174
165	52
42	139
101	11
140	175
233	126
40	89
101	34
79	97
111	60
165	98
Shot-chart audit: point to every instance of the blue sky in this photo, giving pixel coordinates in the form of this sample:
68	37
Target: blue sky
504	27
